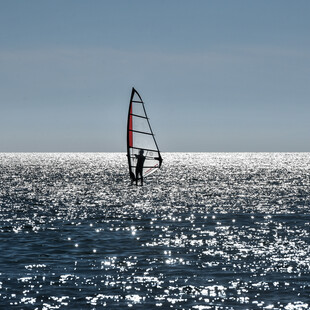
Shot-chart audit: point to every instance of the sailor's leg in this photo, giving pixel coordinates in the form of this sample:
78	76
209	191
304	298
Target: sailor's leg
137	176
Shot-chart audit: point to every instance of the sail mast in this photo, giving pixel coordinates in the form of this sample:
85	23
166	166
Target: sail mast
129	131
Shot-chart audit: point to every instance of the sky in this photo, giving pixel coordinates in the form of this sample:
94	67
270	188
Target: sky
216	75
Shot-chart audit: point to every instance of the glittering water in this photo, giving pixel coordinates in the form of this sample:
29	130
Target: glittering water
208	231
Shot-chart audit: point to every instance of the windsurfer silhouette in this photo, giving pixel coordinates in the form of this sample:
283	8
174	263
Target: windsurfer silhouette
139	167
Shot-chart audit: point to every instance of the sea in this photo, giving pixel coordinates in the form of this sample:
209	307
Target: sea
206	231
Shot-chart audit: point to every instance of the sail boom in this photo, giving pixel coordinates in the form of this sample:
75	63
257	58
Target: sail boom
147	158
155	166
148	150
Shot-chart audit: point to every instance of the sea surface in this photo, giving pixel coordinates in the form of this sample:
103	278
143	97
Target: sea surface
207	231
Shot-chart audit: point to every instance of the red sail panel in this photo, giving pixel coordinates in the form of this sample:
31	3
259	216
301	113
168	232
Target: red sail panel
130	141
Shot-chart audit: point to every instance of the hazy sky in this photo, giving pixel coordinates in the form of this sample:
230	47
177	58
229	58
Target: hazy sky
215	75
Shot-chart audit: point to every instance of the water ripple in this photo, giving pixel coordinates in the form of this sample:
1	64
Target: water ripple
209	231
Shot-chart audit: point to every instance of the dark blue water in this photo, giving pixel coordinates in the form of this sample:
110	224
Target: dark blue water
208	231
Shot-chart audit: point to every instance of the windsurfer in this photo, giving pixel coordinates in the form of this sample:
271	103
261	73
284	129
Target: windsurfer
139	167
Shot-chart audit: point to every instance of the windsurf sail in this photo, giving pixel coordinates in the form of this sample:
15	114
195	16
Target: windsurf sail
140	137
